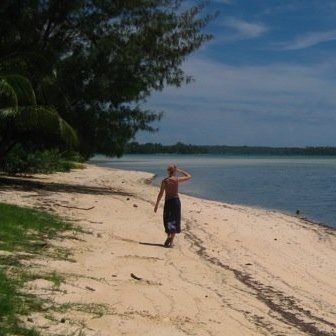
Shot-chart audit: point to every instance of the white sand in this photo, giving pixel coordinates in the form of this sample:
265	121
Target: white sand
234	270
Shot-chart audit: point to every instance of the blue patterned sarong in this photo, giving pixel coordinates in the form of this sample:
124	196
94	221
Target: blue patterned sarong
172	215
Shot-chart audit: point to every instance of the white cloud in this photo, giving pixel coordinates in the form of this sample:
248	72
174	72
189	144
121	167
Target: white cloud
222	82
278	104
242	30
309	40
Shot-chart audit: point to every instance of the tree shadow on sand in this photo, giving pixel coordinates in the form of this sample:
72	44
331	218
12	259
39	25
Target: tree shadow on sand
29	184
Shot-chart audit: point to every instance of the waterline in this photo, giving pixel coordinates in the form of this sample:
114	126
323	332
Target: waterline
286	184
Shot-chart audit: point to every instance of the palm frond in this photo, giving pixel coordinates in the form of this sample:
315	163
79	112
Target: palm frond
46	121
67	133
22	88
8	99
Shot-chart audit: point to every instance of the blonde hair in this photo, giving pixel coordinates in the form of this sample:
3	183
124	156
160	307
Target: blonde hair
171	169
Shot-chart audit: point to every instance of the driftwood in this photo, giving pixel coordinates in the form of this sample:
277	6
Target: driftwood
90	288
135	277
73	207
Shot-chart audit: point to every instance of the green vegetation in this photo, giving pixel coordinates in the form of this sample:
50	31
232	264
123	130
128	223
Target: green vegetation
180	148
21	228
97	309
73	74
25	160
21	117
25	231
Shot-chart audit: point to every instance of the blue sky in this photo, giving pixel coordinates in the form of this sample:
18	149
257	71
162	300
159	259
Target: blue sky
267	78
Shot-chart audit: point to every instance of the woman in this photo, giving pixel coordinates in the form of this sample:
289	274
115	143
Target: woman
172	205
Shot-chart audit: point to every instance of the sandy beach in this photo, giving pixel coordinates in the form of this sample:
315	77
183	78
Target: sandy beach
233	271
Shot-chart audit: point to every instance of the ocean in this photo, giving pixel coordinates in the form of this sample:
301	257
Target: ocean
282	183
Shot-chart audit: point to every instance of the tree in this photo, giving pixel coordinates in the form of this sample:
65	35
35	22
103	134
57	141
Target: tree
107	56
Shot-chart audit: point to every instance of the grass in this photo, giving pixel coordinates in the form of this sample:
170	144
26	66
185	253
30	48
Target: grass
97	309
28	232
12	304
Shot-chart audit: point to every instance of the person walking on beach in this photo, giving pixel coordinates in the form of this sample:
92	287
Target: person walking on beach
172	205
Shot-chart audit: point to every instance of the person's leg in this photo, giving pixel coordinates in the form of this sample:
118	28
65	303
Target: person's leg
172	236
177	220
165	223
167	241
171	218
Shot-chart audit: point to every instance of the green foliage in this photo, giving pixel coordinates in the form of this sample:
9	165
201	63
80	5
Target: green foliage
105	58
45	120
15	91
25	160
21	118
21	88
73	156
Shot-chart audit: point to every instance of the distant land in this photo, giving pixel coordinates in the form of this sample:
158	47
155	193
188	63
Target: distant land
181	148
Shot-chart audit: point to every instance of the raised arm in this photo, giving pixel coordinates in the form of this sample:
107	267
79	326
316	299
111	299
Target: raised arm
186	176
159	196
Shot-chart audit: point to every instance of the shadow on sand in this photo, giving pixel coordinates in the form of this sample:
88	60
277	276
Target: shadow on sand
151	244
29	184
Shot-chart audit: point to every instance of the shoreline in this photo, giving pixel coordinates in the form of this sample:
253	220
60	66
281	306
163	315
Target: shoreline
305	193
235	270
283	212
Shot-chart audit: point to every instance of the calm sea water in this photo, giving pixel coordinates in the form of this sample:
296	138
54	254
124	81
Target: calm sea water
281	183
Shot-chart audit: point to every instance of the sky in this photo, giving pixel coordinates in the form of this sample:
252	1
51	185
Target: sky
268	78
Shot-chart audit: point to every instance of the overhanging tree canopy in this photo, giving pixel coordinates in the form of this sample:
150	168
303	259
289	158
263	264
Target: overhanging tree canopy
106	56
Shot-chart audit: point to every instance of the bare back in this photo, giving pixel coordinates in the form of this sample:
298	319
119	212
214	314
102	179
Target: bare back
171	187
